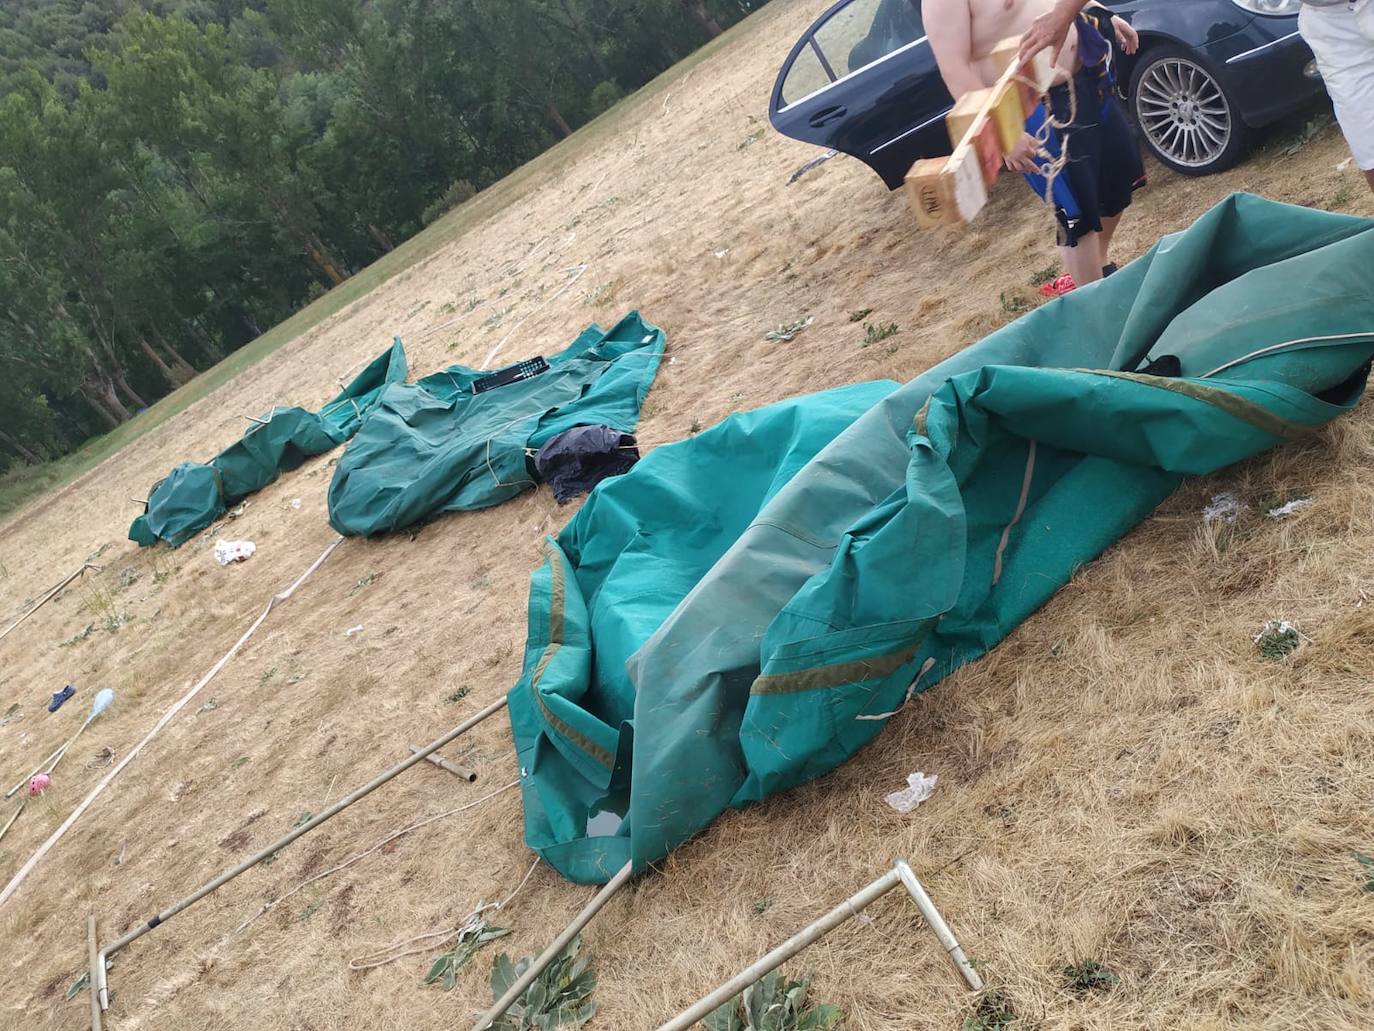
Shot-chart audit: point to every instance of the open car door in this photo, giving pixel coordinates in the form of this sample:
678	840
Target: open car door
863	80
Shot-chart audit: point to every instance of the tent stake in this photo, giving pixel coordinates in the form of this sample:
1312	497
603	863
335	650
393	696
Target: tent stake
281	843
92	955
458	771
901	874
550	954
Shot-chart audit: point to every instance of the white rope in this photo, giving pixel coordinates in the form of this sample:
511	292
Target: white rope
472	923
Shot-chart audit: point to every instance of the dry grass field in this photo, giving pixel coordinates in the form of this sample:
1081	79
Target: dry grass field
1124	780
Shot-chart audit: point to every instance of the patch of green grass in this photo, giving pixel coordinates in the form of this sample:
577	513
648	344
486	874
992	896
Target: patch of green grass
1048	274
1277	639
1367	864
860	315
365	582
875	332
751	139
763	905
1090	975
456	696
1015	304
992	1012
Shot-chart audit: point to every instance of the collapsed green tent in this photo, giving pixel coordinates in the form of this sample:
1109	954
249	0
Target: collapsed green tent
437	446
745	610
193	495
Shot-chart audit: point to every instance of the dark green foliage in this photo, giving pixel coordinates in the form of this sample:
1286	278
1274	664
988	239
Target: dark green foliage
176	176
557	998
1088	976
773	1004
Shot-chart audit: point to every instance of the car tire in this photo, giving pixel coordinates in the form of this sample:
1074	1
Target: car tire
1183	112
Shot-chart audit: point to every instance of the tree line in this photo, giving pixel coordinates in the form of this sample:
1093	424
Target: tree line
177	176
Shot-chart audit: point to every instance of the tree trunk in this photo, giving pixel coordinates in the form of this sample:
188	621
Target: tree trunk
315	249
130	395
19	449
113	403
184	368
92	397
698	10
383	240
556	117
173	380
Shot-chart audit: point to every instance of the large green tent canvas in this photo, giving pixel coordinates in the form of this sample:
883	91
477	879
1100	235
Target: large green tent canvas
746	609
436	446
194	495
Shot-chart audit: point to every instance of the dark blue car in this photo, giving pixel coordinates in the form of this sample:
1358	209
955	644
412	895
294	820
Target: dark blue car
863	80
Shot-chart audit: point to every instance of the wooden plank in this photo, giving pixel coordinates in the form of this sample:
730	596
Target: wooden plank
984	126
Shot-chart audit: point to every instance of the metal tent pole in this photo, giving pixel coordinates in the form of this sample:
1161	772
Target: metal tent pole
550	954
900	873
282	842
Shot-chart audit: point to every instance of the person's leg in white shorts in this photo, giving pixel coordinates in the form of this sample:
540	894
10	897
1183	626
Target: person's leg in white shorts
1342	38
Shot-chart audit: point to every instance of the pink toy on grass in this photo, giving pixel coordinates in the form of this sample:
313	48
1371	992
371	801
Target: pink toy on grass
39	785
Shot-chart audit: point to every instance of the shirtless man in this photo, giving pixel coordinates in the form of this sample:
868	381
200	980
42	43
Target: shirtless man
1102	166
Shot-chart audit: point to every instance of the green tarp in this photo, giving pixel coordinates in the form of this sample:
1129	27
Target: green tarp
435	446
744	610
193	495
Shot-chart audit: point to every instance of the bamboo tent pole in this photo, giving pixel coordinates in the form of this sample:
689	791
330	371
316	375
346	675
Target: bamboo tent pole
48	597
550	954
92	956
283	842
458	771
900	873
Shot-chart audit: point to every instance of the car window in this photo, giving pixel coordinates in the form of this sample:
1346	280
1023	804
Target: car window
854	37
806	76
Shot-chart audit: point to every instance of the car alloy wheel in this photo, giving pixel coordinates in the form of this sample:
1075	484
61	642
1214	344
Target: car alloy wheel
1184	114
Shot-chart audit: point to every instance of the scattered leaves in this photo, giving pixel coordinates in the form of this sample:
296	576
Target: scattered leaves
471	938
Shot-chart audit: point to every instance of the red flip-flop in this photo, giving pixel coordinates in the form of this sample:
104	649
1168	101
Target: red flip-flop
1058	287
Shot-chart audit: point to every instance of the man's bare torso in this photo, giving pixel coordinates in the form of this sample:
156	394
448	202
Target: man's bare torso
991	21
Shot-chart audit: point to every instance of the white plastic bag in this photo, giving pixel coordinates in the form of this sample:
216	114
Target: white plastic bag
229	552
919	788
